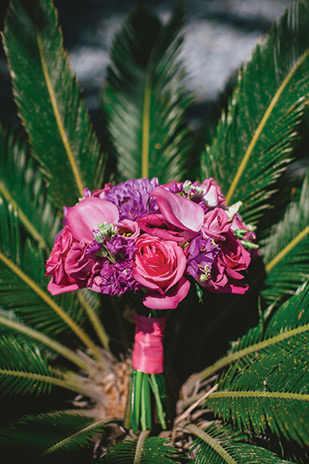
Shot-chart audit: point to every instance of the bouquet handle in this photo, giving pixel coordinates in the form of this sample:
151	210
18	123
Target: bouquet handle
147	390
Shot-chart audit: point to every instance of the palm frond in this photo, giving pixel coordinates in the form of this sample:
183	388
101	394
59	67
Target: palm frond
272	391
92	303
23	286
24	371
285	328
286	251
22	185
48	100
80	436
145	97
145	450
253	139
219	444
9	323
61	437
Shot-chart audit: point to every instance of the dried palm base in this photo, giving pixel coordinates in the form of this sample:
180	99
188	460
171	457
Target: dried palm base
192	395
189	410
108	384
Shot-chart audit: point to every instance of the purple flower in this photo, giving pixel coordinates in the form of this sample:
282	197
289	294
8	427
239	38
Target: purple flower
132	198
113	278
87	193
201	255
112	274
94	248
121	247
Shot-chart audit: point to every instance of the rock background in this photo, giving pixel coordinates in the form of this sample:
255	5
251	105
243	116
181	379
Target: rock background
219	37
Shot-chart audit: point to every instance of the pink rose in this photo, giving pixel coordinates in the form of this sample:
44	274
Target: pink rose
78	264
159	266
212	194
61	282
235	256
84	217
216	224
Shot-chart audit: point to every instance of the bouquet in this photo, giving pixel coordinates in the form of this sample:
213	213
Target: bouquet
155	240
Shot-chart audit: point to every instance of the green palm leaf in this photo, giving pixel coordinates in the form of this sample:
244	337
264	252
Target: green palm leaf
10	324
92	305
22	186
286	251
49	437
219	444
23	286
151	450
145	97
253	139
286	328
48	99
272	391
24	371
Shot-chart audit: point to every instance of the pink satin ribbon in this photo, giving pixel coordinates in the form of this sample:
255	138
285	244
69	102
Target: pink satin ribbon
148	348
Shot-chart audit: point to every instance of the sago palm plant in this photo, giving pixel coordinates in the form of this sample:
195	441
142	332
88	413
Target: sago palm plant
64	362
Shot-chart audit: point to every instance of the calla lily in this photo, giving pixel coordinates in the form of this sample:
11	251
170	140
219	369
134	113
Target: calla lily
179	211
88	214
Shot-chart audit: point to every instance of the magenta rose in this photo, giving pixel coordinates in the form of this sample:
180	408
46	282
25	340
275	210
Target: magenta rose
220	282
212	196
216	224
235	256
225	272
159	266
79	263
61	282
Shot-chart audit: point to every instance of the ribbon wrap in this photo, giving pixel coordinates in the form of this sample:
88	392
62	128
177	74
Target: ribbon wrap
148	347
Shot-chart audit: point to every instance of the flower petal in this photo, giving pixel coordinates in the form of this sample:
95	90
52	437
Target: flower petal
179	211
169	300
56	289
88	214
